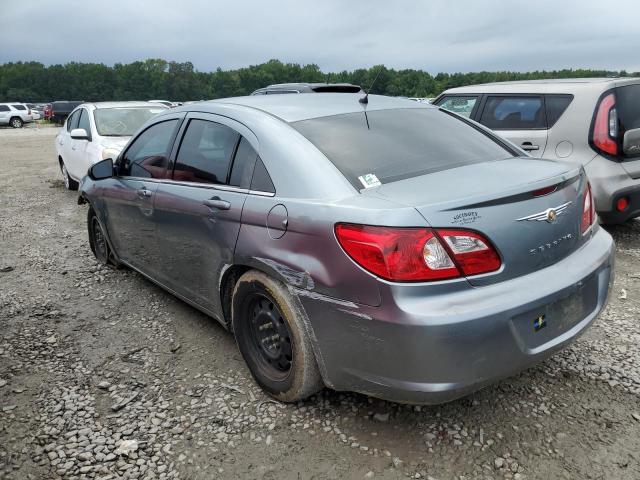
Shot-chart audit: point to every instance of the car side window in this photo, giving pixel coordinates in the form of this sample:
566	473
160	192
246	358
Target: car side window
458	104
261	181
243	165
148	155
205	152
72	120
555	106
19	107
4	108
514	113
83	121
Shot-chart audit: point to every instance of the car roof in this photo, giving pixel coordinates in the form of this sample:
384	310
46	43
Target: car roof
546	85
293	108
99	105
310	85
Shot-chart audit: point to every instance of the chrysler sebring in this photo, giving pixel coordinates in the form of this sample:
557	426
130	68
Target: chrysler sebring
367	244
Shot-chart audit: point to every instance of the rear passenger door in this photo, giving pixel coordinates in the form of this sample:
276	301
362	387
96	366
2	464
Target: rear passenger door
521	119
199	207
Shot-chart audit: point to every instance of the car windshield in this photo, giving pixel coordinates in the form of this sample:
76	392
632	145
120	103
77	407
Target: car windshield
398	143
123	122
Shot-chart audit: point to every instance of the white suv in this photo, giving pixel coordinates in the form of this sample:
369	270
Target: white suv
593	121
15	114
96	131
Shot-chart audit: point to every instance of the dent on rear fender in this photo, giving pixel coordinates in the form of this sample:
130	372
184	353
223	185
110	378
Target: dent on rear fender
292	277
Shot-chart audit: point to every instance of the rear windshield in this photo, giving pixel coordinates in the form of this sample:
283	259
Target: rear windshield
117	122
628	104
399	143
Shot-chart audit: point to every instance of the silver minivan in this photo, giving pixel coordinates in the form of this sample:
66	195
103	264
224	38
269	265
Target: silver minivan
593	121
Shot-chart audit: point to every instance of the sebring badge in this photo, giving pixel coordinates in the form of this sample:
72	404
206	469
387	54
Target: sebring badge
549	215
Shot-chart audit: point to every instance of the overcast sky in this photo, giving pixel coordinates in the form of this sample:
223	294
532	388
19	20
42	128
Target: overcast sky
433	35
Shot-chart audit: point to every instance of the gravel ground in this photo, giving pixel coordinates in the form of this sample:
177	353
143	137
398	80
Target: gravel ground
104	375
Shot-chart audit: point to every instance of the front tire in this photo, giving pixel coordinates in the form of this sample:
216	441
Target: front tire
98	241
69	183
16	122
269	330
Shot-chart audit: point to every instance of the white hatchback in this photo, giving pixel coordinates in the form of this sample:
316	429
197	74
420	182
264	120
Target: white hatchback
95	131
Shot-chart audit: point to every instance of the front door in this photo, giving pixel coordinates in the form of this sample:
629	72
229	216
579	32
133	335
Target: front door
130	196
198	211
520	119
78	162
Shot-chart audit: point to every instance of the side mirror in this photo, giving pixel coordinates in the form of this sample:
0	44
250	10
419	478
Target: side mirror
101	170
79	134
631	142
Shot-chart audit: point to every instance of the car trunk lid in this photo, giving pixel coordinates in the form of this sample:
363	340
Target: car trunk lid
508	201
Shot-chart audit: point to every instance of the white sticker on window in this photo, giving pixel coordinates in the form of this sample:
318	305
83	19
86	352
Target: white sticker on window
369	180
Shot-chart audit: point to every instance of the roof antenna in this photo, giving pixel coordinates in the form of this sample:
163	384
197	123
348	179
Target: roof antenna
365	100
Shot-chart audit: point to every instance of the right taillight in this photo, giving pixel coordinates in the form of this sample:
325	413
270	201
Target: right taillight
417	254
588	210
605	126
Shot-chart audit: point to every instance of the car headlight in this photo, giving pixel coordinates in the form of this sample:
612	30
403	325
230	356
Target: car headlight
109	153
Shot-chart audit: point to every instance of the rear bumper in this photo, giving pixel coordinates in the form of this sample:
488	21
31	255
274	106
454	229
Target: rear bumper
418	347
610	182
632	194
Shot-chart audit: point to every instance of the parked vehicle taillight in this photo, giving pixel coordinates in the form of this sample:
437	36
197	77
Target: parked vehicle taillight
605	126
417	254
471	251
588	210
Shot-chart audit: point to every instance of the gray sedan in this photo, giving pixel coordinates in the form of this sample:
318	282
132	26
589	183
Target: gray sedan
386	247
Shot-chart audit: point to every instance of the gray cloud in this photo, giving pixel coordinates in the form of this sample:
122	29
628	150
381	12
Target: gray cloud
435	35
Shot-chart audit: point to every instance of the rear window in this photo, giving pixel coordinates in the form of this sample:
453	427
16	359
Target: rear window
399	143
514	113
628	104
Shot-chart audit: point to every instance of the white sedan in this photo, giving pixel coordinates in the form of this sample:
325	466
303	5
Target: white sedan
96	131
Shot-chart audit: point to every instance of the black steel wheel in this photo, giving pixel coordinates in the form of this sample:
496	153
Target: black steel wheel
100	247
98	241
269	326
270	336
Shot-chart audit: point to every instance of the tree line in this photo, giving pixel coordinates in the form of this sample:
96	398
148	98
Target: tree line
157	78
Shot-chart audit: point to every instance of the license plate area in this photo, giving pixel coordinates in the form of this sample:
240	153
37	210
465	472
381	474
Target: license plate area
541	325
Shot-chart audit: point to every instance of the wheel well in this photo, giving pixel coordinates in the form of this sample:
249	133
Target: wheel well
228	283
60	160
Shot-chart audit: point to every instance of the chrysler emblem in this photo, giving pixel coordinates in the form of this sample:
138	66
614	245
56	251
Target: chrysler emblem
549	215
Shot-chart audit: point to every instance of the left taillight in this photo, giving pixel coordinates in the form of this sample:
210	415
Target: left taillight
604	134
417	254
588	210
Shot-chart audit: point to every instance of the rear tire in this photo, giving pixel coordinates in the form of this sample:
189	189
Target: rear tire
16	122
98	241
269	330
69	183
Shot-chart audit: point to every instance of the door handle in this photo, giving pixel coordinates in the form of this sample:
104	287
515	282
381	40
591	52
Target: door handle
528	146
144	193
73	148
217	202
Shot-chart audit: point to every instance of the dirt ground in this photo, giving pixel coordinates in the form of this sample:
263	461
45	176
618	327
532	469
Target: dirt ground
104	375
